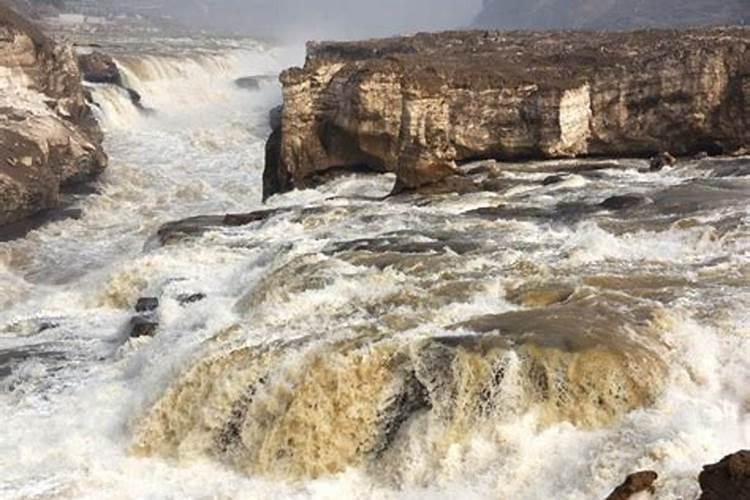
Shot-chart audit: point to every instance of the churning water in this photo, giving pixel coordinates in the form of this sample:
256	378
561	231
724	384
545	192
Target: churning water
517	343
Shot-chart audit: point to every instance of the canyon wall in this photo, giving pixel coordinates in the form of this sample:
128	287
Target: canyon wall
49	138
418	106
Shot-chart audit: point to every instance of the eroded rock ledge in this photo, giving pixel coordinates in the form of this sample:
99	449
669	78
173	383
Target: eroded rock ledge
48	136
417	106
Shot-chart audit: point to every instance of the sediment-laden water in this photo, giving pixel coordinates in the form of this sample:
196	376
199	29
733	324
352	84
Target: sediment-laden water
521	342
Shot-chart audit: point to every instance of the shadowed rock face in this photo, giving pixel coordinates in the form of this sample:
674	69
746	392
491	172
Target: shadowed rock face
48	136
418	106
610	14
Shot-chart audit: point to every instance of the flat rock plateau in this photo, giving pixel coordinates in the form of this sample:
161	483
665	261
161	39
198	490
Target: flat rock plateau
419	106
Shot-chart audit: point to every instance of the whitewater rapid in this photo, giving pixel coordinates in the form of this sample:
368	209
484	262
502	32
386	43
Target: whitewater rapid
338	311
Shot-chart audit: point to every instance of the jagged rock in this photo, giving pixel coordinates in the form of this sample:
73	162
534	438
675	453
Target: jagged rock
634	484
660	161
145	323
730	478
419	106
49	138
610	14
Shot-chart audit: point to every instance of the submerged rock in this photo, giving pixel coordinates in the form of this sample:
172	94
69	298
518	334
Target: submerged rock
49	138
419	106
145	323
635	483
730	478
624	202
660	161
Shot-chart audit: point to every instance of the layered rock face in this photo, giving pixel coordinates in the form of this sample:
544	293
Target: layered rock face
418	106
48	136
610	14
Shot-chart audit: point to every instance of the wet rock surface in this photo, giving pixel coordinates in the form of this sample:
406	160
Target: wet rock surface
48	136
421	105
729	478
638	482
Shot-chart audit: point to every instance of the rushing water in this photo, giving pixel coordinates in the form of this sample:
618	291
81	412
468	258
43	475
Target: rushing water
515	343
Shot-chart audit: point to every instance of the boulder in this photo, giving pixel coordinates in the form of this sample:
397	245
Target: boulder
635	483
660	161
49	139
420	106
730	478
99	68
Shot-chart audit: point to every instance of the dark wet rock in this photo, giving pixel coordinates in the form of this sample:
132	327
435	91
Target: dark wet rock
625	202
420	106
635	483
196	226
97	67
190	298
727	479
552	180
274	117
660	161
142	326
147	304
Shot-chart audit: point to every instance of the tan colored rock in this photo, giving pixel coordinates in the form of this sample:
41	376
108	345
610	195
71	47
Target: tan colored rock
419	106
48	136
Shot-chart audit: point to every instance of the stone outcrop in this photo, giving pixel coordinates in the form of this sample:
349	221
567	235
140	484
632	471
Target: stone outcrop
418	106
730	478
49	138
635	483
610	14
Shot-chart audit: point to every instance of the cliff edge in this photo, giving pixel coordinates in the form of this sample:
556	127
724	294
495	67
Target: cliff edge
48	136
417	106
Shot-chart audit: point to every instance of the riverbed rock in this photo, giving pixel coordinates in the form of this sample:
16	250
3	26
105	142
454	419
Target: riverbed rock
420	106
624	202
660	161
730	478
49	138
638	482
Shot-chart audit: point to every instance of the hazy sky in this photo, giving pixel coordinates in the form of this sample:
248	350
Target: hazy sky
303	19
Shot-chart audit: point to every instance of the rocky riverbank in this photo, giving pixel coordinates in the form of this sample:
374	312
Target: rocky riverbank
419	106
49	139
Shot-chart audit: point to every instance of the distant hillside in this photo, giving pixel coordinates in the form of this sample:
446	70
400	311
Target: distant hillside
610	14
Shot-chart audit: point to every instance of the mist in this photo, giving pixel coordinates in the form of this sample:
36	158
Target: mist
294	20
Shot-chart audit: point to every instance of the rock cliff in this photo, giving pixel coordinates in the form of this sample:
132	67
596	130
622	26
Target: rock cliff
48	136
418	106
